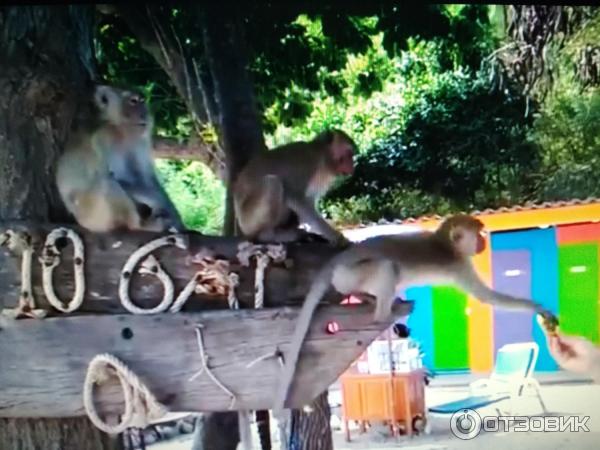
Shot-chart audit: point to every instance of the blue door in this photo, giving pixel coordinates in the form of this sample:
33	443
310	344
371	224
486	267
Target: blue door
542	248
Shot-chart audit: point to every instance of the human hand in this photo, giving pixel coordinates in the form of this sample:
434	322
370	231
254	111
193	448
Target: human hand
573	353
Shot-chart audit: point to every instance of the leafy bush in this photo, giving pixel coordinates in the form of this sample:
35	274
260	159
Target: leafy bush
197	194
432	137
456	145
568	132
397	202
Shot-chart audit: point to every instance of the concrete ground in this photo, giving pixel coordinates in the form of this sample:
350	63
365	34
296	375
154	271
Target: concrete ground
563	394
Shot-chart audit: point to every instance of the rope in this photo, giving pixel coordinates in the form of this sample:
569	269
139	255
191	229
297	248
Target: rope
50	259
263	254
141	407
277	253
26	304
276	354
205	368
213	279
150	266
217	272
233	280
243	415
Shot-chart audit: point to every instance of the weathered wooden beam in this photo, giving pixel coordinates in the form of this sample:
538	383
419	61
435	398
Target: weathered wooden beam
43	362
105	255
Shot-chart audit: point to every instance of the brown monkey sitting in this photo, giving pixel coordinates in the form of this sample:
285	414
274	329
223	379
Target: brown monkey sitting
278	189
106	176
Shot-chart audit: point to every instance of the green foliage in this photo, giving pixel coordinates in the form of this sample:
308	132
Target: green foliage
568	132
403	80
432	136
122	61
390	203
366	91
567	128
458	146
198	195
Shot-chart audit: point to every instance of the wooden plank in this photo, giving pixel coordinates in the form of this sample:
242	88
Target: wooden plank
285	284
43	362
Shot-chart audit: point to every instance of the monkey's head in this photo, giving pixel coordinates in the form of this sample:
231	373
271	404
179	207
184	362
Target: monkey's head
464	233
122	108
340	149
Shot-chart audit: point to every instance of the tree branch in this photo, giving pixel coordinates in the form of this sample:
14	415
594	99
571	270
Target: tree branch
192	150
169	54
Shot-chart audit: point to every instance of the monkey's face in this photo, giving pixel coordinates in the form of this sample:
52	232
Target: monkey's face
341	152
123	108
468	236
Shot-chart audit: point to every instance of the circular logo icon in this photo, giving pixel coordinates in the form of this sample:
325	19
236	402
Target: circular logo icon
465	424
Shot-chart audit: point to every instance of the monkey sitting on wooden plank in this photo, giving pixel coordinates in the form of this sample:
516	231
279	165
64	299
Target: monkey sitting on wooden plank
378	267
277	190
106	177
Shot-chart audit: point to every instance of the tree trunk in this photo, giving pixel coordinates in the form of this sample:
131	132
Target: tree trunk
46	56
54	434
240	132
312	430
239	120
188	75
217	431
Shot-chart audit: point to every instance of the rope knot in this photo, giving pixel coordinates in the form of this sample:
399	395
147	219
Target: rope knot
212	278
263	254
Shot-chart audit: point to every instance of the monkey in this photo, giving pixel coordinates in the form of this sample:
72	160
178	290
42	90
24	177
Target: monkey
378	267
106	175
278	189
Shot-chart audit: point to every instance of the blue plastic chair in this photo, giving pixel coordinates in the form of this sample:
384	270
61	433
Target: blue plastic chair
513	373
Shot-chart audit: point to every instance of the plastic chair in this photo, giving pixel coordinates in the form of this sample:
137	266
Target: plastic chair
513	373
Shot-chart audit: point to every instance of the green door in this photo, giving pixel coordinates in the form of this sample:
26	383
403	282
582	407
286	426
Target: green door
578	289
451	345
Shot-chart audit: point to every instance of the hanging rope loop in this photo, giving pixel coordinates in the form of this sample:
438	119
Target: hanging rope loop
141	407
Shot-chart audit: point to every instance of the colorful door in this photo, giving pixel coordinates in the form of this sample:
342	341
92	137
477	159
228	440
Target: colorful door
512	275
578	281
450	331
420	321
439	323
540	245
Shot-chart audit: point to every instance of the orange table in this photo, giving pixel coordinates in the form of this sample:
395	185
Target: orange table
398	399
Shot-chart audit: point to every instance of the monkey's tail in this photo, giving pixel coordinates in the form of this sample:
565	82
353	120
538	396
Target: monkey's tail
318	289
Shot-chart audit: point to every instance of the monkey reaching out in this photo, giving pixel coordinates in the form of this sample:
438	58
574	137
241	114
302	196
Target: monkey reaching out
106	176
278	189
382	265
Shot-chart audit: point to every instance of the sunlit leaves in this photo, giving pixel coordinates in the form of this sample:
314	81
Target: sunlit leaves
199	196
